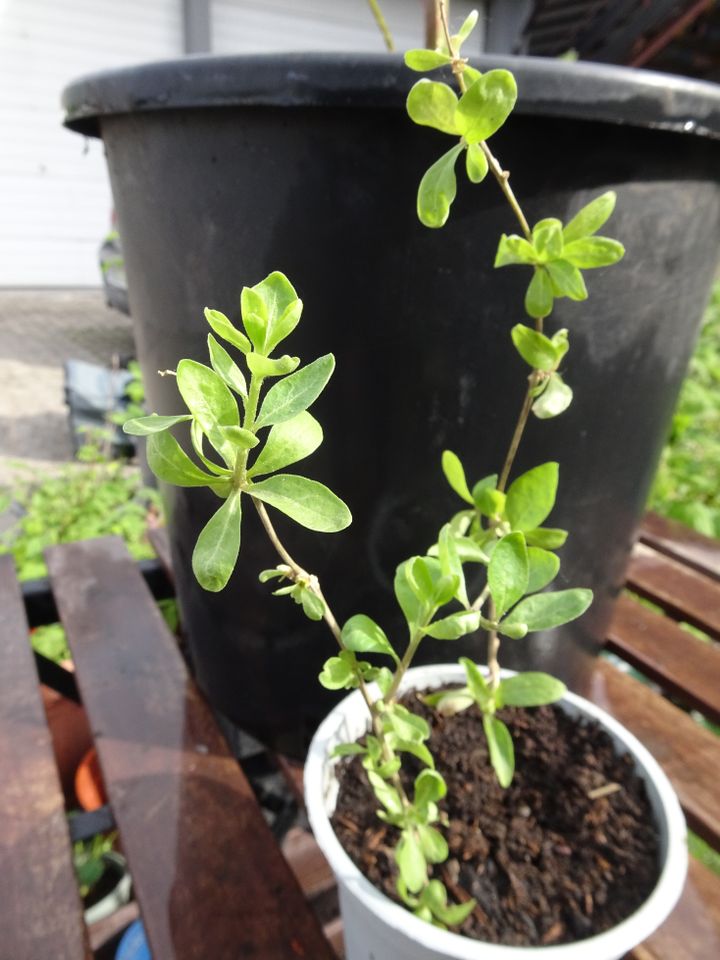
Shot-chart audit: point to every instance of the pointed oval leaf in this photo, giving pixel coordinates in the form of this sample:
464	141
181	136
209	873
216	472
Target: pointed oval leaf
554	400
467	28
422	60
539	296
224	328
144	426
211	403
281	308
410	605
265	367
169	462
240	438
508	572
591	217
543	611
362	635
218	545
285	324
225	367
455	626
548	239
411	861
477	684
531	689
486	105
433	844
566	280
513	249
307	502
254	315
338	673
531	496
455	475
433	104
429	788
549	538
591	252
197	437
500	745
437	190
476	163
450	563
295	393
287	443
543	567
534	347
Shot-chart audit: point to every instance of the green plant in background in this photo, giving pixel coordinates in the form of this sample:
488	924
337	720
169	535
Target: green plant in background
247	424
88	860
687	484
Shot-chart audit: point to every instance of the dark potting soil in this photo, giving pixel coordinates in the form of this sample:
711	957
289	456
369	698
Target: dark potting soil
551	859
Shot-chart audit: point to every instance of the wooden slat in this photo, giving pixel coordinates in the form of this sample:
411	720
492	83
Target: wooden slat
307	862
40	909
680	663
209	877
682	543
689	754
692	931
684	593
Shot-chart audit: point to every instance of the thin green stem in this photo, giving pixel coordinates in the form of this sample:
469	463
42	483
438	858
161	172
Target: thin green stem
492	652
382	25
402	668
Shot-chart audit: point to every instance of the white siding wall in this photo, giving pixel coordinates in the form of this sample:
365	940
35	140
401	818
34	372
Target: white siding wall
55	199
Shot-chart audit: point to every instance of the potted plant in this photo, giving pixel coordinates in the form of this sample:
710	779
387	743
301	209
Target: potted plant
102	876
426	802
302	161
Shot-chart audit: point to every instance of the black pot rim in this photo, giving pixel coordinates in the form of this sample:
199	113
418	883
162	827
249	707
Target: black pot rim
547	87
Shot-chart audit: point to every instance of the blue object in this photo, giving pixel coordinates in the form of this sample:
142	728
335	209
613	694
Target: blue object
133	945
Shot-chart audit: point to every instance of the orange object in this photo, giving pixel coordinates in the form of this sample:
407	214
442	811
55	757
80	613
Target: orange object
89	785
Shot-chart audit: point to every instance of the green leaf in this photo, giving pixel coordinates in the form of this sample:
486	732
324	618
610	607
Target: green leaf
455	475
486	105
265	367
531	690
476	163
295	393
225	329
255	318
418	750
476	683
144	426
500	745
560	341
592	252
449	702
435	899
466	29
240	438
197	437
450	564
422	60
471	74
169	462
348	750
338	673
437	190
566	280
282	309
225	367
454	626
408	726
218	545
411	607
542	568
550	538
531	496
384	680
433	104
534	347
516	631
429	788
543	611
363	635
433	844
387	795
554	400
548	239
411	861
508	571
513	249
590	218
539	296
288	442
211	403
272	574
313	607
307	502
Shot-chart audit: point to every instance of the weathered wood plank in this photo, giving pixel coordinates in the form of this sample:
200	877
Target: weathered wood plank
684	593
682	543
677	661
692	931
209	876
40	908
689	754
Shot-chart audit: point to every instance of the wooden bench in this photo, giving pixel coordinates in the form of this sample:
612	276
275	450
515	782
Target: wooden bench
209	878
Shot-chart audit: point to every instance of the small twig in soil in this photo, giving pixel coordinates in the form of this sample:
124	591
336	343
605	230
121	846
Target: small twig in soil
461	896
605	791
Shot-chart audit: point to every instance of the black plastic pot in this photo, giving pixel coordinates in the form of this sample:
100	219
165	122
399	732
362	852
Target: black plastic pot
226	168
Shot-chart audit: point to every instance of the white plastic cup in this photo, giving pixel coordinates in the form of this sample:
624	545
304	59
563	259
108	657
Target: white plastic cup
376	928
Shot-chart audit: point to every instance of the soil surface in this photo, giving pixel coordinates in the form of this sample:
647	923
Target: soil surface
553	858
